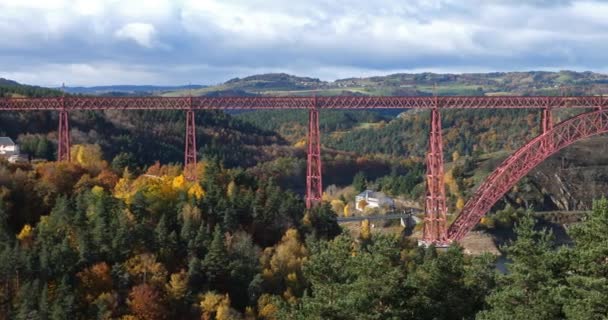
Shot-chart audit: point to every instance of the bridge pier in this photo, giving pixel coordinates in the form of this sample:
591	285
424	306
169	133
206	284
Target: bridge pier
546	123
546	120
190	147
63	137
314	183
435	224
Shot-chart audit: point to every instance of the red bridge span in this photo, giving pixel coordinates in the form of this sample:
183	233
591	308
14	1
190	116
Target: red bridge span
553	138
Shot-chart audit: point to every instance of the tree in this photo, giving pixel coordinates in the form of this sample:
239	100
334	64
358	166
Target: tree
366	232
282	265
43	149
216	306
178	285
94	281
147	302
244	264
323	221
146	269
350	282
215	262
359	182
64	305
583	294
530	286
5	236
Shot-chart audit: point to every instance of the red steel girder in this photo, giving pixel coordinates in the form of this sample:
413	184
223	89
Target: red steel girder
522	162
435	225
63	137
206	103
314	182
190	147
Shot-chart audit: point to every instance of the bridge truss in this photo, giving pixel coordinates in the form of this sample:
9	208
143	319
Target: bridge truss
552	139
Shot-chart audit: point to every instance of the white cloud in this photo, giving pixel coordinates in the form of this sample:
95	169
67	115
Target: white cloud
207	40
141	33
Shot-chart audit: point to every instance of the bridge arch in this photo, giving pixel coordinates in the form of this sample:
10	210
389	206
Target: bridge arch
520	163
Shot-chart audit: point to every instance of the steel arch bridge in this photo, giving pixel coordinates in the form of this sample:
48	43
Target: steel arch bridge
552	139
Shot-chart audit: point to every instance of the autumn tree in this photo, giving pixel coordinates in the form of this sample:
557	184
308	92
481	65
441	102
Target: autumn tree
282	265
147	303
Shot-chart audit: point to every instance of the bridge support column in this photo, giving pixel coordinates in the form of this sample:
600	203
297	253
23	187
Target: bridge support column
546	120
314	184
435	229
63	139
546	125
190	147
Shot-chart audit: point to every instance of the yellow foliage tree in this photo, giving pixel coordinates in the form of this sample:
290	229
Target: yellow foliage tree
282	265
455	156
451	183
145	267
97	191
487	222
178	285
266	309
362	204
217	306
347	210
88	155
231	190
460	203
366	232
190	212
179	182
196	191
26	234
123	189
337	205
301	143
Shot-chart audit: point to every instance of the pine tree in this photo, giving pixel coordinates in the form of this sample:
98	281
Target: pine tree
43	305
122	240
198	246
584	294
27	301
5	238
359	182
64	305
196	274
162	232
530	286
215	262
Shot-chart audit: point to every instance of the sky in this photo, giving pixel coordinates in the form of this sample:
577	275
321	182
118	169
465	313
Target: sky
163	42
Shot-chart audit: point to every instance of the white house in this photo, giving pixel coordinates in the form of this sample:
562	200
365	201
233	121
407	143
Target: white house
372	200
8	147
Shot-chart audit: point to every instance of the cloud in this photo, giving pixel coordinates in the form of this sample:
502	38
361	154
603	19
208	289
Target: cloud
141	33
208	41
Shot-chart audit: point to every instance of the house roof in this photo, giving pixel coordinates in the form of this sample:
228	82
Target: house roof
6	141
372	194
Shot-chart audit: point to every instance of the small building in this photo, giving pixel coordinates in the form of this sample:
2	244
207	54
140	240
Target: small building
372	199
8	147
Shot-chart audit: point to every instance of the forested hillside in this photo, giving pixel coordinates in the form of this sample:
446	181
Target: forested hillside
230	246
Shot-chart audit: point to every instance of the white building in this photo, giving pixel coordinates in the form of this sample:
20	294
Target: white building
372	200
8	147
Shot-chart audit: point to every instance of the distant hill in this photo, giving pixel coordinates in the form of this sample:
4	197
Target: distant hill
128	89
496	83
10	88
